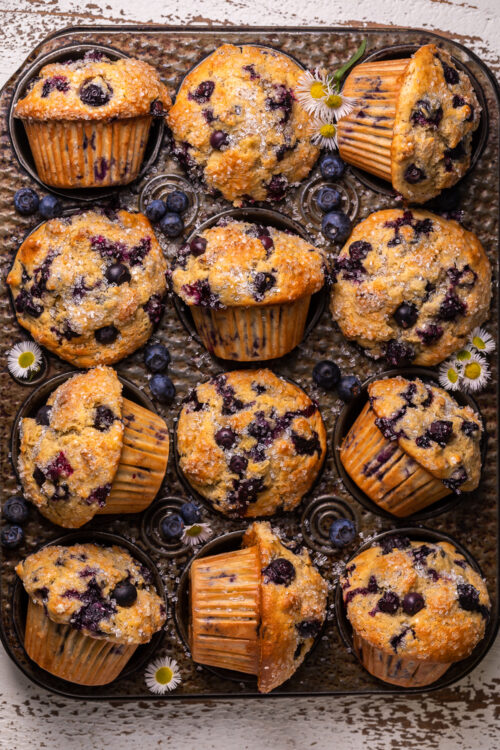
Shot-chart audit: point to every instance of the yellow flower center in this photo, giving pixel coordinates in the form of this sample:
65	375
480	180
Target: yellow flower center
478	342
194	530
472	371
317	90
26	359
328	130
163	675
463	355
333	101
452	375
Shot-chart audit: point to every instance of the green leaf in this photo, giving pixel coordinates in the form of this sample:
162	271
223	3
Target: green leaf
352	60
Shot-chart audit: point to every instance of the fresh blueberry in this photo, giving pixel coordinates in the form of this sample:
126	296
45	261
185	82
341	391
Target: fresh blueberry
349	386
118	274
155	210
11	536
125	594
342	532
328	198
190	513
331	166
171	527
326	374
336	226
43	416
50	207
406	315
106	334
162	388
172	225
26	202
15	510
413	603
156	357
177	202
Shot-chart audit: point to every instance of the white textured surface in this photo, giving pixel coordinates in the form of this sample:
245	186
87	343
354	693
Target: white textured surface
464	717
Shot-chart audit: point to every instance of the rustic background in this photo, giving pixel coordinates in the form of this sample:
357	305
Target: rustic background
463	717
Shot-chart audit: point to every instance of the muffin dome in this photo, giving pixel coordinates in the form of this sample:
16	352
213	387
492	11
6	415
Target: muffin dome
416	600
236	121
77	586
250	443
90	287
410	286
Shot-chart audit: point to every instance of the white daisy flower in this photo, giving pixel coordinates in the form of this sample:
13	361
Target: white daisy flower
449	376
339	105
311	90
196	534
324	133
24	359
162	676
482	341
475	373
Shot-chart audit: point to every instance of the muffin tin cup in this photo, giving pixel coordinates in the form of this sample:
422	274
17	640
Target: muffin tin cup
411	674
423	483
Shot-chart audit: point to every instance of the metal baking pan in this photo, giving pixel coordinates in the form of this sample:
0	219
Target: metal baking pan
331	668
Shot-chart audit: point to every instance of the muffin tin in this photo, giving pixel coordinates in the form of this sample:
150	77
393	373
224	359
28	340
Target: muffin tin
472	520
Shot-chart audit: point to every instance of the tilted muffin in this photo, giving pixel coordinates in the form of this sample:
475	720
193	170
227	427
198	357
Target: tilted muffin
411	445
415	608
237	123
250	443
249	288
90	287
88	120
90	451
412	123
90	607
410	286
257	610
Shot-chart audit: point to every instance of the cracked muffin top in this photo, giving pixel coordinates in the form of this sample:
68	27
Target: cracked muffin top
410	286
101	591
432	428
244	264
237	124
416	600
250	442
94	88
69	453
90	287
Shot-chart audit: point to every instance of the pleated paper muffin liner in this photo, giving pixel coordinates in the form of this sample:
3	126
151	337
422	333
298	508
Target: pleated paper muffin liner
88	153
391	478
70	655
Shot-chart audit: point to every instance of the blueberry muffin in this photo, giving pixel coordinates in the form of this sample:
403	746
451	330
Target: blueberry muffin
88	451
413	122
250	443
249	288
411	445
90	608
90	287
257	610
410	286
236	123
88	120
415	609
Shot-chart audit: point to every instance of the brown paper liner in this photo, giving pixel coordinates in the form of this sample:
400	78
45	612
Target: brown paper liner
393	480
143	461
252	333
395	669
225	610
365	135
70	655
87	153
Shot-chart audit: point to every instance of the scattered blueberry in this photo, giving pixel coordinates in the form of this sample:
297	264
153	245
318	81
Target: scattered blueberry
11	536
342	532
197	246
331	166
124	593
162	388
118	274
336	226
406	315
50	207
171	527
177	202
349	386
15	510
326	374
172	225
328	198
413	603
26	201
190	513
155	210
156	357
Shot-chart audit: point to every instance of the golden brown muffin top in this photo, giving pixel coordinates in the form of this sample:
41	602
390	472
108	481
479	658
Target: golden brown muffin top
417	600
69	453
90	287
239	264
410	286
293	606
250	442
77	586
94	88
432	428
